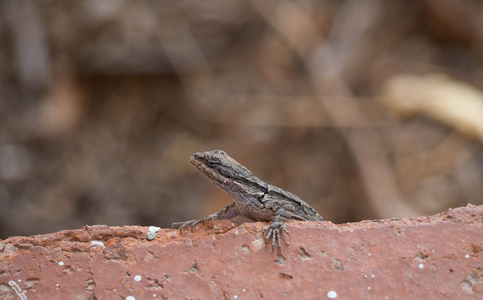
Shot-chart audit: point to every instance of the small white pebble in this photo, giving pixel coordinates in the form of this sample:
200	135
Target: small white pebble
137	278
154	228
365	276
57	285
97	244
243	290
19	280
130	298
368	288
235	297
115	290
467	256
369	254
332	295
431	251
61	263
386	297
154	295
373	276
352	230
421	266
151	235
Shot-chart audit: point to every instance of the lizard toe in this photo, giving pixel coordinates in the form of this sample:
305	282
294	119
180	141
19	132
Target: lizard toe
183	225
273	232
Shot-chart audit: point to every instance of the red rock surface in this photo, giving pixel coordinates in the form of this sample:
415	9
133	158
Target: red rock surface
436	257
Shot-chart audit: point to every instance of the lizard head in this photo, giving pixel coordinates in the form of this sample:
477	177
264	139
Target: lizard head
223	171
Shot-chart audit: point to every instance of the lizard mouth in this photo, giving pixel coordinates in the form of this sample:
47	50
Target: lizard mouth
196	162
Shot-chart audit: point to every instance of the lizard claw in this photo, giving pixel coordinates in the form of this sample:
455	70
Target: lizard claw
273	230
182	225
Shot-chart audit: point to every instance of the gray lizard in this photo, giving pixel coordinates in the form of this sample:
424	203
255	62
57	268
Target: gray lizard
254	198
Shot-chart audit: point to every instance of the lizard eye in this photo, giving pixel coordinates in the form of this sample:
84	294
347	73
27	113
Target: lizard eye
212	163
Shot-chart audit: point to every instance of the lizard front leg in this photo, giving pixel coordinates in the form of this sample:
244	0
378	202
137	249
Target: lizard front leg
226	212
276	225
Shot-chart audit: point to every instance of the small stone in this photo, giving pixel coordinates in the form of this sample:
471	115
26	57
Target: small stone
332	295
150	235
98	244
154	228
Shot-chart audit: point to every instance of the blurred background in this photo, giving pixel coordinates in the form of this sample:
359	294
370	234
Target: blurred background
364	109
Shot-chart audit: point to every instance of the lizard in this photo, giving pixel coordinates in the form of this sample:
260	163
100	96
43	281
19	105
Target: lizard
254	198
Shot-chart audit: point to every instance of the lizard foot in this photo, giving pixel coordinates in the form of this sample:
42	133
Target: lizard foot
182	225
273	230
